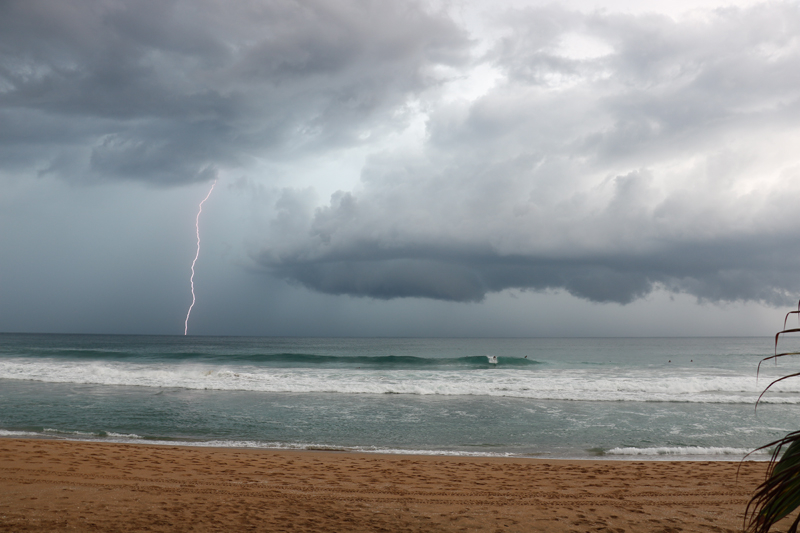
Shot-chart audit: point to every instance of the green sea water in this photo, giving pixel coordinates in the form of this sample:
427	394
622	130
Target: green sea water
563	398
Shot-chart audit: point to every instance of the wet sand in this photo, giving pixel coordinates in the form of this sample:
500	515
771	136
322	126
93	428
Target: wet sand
48	485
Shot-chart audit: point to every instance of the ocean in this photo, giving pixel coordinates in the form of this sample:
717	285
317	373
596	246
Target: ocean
607	398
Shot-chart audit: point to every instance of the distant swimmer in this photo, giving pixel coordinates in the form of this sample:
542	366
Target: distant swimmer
492	359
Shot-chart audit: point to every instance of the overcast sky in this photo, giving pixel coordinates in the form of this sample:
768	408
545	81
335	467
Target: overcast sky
385	167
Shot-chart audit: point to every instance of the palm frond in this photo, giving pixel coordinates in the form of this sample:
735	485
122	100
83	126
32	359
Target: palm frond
758	369
779	494
773	383
785	320
777	337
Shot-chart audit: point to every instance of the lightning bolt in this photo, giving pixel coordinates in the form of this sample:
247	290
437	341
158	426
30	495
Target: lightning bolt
196	255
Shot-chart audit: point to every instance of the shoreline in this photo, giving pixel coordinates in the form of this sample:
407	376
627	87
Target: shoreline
739	456
60	485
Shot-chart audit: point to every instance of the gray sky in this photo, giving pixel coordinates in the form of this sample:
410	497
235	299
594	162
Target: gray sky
399	168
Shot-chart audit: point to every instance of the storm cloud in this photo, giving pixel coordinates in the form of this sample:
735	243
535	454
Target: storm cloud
168	92
616	154
395	152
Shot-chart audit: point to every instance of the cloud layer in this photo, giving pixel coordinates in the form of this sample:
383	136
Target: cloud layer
596	152
616	154
170	91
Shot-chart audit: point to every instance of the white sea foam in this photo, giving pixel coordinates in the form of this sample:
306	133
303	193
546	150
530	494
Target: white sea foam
132	438
360	449
686	451
671	453
61	432
10	433
615	384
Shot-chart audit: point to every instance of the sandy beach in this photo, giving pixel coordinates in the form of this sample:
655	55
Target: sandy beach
48	485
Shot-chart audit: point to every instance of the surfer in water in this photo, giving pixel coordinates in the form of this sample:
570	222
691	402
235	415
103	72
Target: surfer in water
492	359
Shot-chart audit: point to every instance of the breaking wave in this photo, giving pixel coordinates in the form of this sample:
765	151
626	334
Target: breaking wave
463	376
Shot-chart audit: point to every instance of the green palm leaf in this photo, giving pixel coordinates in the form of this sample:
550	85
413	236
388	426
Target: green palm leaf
779	494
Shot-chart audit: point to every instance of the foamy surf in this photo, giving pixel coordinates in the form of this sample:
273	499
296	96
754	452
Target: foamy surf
602	385
690	452
249	444
656	453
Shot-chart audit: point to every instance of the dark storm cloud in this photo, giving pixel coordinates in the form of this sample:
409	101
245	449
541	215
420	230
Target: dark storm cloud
620	280
380	263
665	160
168	91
